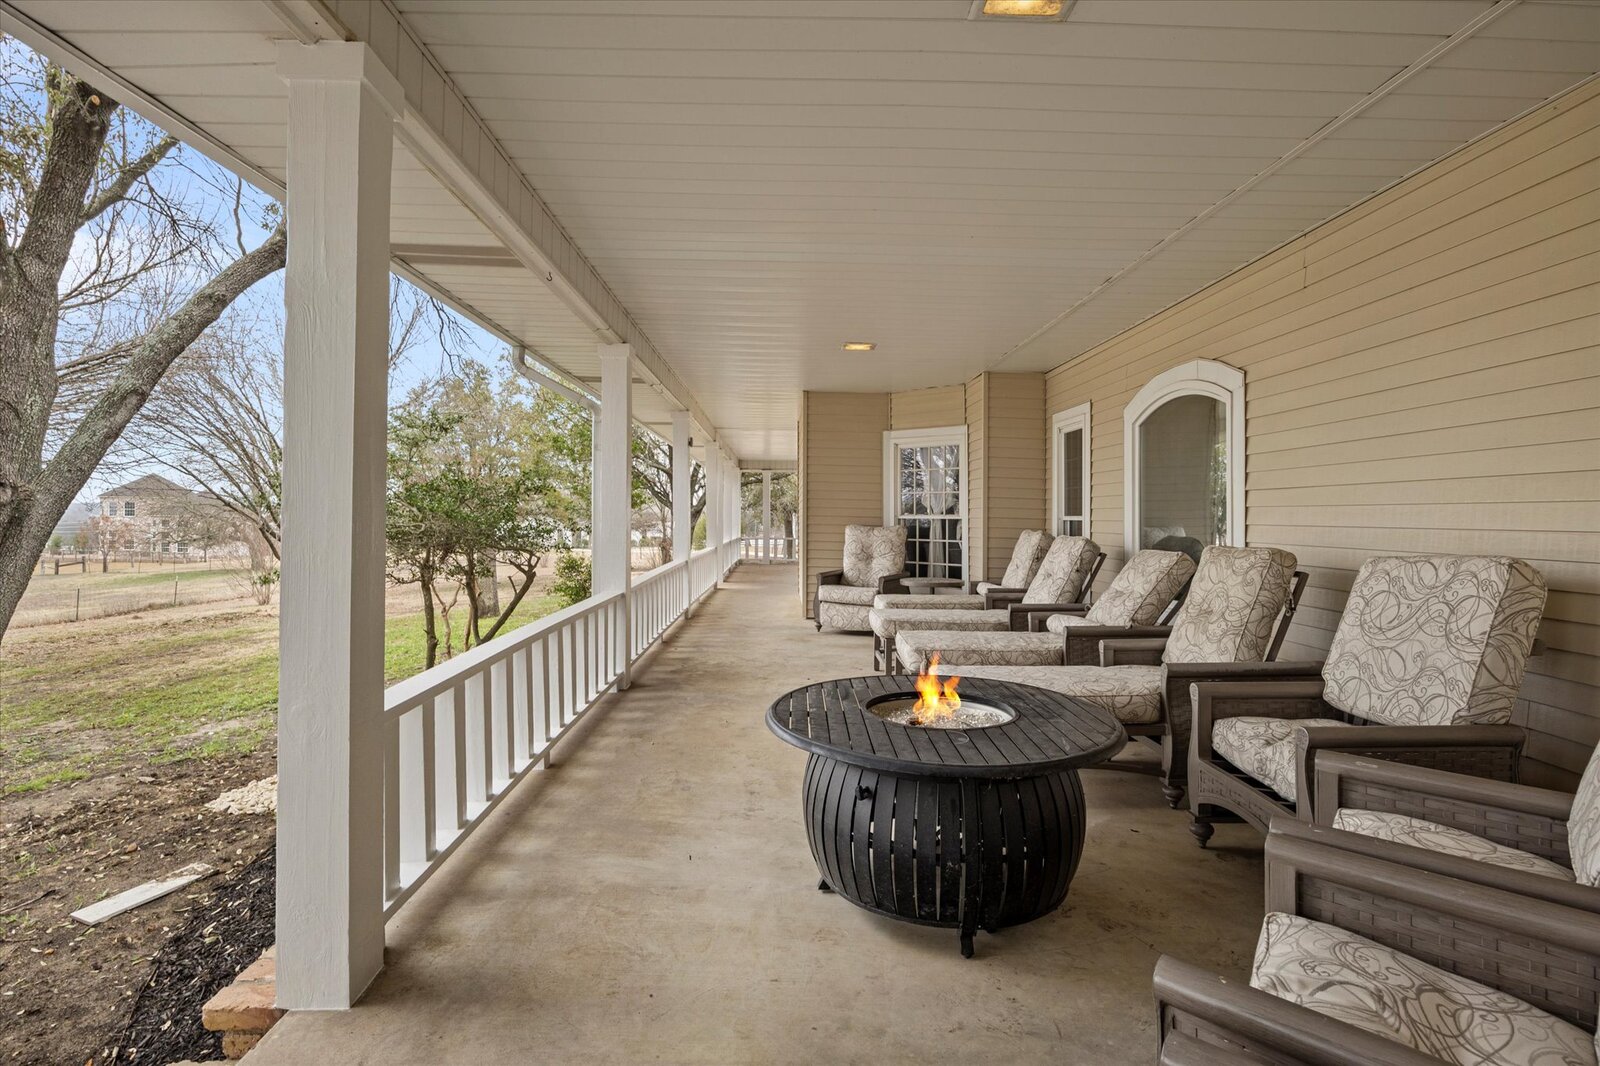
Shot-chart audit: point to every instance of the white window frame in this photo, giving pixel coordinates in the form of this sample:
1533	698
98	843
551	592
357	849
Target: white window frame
895	439
1064	422
1201	377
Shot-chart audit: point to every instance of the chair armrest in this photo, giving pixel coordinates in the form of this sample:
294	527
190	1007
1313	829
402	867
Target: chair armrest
1212	701
1472	803
1081	644
1036	622
1000	599
1227	1011
1144	651
831	577
1490	751
1022	613
892	584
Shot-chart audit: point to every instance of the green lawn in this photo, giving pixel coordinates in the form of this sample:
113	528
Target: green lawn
139	690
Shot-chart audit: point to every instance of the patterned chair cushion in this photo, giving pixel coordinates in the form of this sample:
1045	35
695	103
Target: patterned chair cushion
1376	988
856	595
978	649
1142	589
1419	833
1032	545
873	552
1264	748
1232	606
1131	693
1062	573
929	601
1060	623
888	621
1583	826
846	616
1434	639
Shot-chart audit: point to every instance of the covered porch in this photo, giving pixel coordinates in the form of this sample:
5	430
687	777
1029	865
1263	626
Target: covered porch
652	897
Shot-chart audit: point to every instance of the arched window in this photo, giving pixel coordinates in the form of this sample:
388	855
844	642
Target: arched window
1183	451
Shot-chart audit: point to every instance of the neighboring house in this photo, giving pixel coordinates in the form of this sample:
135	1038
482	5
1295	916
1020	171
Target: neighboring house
166	517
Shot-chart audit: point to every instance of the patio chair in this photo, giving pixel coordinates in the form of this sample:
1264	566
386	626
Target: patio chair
1535	842
1241	602
874	563
1366	962
1136	604
1068	568
1026	557
1424	668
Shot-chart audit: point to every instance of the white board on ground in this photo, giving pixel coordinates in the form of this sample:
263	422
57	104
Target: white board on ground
138	896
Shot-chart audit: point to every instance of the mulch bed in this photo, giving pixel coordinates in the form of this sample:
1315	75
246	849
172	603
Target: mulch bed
222	936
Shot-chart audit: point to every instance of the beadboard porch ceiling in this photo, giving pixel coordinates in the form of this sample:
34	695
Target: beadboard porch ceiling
758	182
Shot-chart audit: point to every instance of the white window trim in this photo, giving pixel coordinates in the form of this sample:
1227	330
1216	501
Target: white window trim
1202	377
893	439
1064	422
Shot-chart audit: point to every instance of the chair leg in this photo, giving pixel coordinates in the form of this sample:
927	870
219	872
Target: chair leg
1200	823
1173	793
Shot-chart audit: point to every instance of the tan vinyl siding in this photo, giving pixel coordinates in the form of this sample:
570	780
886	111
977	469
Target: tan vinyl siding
977	476
928	408
1017	458
1422	375
841	482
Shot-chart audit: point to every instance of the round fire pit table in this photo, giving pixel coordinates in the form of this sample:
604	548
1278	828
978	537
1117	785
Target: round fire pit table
967	828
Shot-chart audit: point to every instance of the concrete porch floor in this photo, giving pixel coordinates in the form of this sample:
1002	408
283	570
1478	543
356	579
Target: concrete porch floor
653	899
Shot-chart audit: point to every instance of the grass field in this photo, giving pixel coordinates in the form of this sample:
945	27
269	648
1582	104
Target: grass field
159	686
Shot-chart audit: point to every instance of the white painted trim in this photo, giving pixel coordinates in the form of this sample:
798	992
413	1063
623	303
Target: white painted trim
1201	377
1073	418
893	439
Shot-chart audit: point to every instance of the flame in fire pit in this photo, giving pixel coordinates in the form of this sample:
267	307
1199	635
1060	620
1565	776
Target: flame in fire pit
939	698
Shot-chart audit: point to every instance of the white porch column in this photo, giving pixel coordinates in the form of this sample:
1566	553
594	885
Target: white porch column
713	495
682	498
766	516
611	500
342	107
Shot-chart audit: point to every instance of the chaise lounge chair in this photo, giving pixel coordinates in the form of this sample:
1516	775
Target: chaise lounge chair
1031	547
1367	962
1066	572
874	563
1232	622
1423	669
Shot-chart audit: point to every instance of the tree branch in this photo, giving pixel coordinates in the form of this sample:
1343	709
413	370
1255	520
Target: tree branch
118	189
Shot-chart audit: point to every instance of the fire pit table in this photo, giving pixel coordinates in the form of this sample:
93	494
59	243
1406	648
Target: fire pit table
975	822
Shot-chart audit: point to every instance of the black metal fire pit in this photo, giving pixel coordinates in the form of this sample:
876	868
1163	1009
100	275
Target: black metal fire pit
963	828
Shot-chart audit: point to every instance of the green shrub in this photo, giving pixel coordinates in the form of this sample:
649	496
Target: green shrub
574	578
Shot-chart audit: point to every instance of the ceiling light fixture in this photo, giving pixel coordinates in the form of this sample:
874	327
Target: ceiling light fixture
859	346
1043	10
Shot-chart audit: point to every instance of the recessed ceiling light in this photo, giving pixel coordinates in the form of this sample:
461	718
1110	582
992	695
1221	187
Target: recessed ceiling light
1046	10
859	346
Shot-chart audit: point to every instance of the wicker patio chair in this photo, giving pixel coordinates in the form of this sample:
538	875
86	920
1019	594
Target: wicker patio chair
1366	962
1423	669
1535	842
1067	570
1026	557
1240	605
874	563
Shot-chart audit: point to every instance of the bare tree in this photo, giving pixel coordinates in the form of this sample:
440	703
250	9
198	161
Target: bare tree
652	475
85	233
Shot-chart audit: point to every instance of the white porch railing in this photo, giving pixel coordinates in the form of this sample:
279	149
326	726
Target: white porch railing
771	549
460	735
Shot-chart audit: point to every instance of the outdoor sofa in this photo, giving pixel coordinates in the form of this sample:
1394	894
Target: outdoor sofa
1424	669
1367	961
874	563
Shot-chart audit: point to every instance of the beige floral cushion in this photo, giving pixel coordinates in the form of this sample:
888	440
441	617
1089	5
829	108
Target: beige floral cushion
1233	604
888	621
914	647
1062	573
850	617
928	601
1060	623
1364	984
1032	545
1131	693
1583	827
873	552
857	595
1264	748
1447	839
1142	589
1434	639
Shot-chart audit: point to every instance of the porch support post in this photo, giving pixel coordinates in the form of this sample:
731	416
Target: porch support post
611	514
342	108
766	516
682	500
714	516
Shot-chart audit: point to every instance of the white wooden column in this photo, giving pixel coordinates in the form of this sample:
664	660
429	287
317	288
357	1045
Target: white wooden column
713	496
682	499
342	107
766	516
611	500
